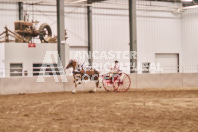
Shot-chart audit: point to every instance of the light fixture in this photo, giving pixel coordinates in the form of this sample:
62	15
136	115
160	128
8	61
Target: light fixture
186	0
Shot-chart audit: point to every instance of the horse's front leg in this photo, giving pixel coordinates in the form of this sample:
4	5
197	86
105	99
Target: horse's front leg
96	79
77	79
74	89
97	83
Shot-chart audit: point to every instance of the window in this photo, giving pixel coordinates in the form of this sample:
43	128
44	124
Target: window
45	69
145	67
16	69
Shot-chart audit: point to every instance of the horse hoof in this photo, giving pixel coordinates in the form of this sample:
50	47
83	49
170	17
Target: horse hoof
73	92
91	91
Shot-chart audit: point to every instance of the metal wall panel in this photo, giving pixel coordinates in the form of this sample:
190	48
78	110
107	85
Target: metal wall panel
110	32
158	35
78	53
190	45
76	25
9	14
157	32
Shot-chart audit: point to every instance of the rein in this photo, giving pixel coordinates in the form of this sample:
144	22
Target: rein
79	68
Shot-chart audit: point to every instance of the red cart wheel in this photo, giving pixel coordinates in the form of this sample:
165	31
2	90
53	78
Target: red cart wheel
107	83
123	83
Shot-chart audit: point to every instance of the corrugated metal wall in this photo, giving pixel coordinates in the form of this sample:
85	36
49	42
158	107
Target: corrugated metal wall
190	40
76	25
157	31
9	14
110	31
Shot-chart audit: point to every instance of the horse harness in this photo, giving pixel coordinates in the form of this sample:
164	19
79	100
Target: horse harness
79	69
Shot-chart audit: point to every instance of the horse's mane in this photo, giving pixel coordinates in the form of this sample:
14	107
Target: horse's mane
78	64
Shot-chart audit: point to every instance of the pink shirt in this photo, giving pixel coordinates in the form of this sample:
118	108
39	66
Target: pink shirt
116	67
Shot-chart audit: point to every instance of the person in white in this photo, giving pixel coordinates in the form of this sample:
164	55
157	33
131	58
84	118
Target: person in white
116	68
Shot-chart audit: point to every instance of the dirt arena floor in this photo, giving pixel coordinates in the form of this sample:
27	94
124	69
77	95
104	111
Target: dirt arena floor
136	110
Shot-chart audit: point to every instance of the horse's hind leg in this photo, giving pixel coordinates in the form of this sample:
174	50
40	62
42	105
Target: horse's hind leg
97	84
94	90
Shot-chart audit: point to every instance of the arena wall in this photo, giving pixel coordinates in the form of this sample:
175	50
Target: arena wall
21	53
190	80
29	85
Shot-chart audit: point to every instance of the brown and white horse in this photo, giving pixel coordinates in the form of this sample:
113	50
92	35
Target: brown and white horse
80	75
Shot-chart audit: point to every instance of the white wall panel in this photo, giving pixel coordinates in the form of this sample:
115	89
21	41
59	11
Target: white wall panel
77	53
190	39
21	53
2	60
110	33
8	14
76	25
157	31
158	35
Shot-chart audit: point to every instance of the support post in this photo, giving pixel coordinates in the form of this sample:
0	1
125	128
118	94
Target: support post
20	7
90	39
61	32
133	33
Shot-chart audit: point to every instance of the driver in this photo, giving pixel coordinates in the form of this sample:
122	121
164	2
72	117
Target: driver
115	70
116	67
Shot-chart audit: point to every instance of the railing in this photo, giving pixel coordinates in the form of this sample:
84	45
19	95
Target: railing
46	71
31	71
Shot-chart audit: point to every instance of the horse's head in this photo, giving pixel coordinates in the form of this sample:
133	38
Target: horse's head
72	64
